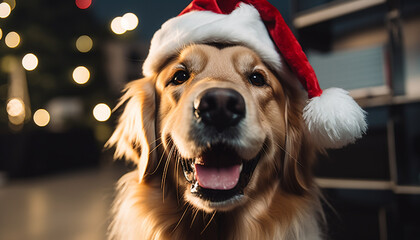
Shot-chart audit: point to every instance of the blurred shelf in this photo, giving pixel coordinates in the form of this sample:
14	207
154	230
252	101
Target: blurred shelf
332	10
370	48
370	92
386	100
367	185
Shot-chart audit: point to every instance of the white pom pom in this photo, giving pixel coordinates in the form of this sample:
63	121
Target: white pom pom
334	119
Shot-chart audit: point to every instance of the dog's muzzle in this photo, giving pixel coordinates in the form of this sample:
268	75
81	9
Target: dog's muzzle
218	174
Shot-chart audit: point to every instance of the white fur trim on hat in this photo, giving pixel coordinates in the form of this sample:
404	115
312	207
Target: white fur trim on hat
334	119
243	26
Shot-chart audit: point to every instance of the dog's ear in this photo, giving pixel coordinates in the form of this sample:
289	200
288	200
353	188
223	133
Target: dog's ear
297	161
134	136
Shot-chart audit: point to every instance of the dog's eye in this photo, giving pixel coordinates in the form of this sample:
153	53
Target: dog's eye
180	77
257	79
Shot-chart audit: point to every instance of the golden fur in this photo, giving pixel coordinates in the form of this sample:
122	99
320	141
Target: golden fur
280	201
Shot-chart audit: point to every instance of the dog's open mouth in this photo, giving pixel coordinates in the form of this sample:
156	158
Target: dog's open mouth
219	174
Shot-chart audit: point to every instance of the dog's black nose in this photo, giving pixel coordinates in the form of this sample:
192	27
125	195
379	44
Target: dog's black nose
220	107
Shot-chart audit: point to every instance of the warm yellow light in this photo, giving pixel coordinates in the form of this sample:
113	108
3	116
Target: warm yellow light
5	10
129	21
116	26
84	43
30	61
41	117
81	75
17	120
101	112
12	3
15	107
1	33
12	39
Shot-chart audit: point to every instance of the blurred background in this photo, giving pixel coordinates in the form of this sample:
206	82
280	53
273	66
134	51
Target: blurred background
64	63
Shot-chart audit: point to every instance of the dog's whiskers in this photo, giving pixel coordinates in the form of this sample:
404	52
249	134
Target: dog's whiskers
156	145
264	148
182	217
211	219
157	139
177	175
193	219
288	154
160	160
165	171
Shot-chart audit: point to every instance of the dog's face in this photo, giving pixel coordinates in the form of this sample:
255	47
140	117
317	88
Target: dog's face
221	109
223	116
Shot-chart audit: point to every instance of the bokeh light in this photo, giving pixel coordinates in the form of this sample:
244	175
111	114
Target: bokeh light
41	117
30	61
15	107
18	120
5	10
12	3
12	39
84	43
1	33
16	110
81	75
101	112
116	26
83	4
129	21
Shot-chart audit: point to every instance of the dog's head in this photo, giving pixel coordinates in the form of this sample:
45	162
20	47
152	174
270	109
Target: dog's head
231	129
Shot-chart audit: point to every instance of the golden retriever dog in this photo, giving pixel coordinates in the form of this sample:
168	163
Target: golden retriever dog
222	152
224	129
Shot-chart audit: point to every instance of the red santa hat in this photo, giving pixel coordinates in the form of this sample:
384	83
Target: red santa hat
333	118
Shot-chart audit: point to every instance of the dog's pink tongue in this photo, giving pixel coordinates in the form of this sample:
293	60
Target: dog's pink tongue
218	178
